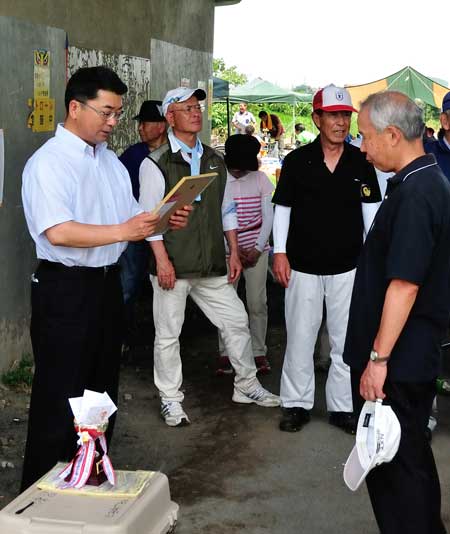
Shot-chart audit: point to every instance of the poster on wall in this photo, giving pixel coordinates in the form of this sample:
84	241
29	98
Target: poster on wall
41	74
43	115
2	165
134	72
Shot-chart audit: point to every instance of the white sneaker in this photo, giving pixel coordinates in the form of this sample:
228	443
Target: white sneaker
258	395
173	414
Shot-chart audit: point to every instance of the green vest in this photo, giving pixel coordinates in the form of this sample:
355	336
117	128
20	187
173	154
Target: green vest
197	251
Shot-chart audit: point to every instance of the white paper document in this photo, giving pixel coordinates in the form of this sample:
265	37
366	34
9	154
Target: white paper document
92	408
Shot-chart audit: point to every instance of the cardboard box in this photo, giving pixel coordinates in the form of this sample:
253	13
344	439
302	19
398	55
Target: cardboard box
39	511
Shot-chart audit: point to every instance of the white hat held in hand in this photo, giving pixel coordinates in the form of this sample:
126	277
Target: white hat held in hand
377	440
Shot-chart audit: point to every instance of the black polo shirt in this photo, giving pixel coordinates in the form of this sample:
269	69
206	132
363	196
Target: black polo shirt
409	240
326	226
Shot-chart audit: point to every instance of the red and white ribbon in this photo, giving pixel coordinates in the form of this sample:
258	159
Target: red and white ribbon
80	467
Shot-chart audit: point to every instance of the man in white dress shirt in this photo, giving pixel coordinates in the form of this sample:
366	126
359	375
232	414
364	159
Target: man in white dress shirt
81	213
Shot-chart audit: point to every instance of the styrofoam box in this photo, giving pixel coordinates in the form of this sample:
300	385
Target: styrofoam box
151	512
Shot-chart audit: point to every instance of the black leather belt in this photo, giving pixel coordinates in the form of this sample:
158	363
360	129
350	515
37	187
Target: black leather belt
55	266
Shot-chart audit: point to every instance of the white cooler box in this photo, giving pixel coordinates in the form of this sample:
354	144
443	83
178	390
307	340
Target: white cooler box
39	511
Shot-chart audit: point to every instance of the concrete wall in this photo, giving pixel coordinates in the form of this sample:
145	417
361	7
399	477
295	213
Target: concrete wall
17	258
123	27
152	44
171	63
135	72
106	31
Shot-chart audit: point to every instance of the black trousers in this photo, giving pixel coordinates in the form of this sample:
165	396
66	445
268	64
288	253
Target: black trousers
405	493
76	334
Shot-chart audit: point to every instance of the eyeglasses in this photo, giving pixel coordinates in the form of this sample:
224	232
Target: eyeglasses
191	108
105	115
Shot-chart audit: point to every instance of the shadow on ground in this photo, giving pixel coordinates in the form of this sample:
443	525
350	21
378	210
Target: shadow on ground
231	471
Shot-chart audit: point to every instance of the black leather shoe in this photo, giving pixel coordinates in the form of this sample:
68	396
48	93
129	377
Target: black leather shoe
345	420
293	419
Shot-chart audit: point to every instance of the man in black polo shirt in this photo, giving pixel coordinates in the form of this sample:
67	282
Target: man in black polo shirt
318	234
400	309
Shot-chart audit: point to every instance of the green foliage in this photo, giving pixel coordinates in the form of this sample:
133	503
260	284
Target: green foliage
431	117
20	375
284	112
230	74
277	108
304	88
219	119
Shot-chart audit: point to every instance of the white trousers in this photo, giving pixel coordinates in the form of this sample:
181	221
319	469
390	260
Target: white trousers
304	299
219	302
256	298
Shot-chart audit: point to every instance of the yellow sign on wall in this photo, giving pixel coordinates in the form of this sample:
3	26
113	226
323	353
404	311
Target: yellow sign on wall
41	74
42	118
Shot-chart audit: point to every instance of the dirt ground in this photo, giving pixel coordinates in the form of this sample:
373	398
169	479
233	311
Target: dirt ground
231	470
134	445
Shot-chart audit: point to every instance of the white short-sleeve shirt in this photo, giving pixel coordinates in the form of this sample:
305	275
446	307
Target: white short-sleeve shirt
67	180
243	120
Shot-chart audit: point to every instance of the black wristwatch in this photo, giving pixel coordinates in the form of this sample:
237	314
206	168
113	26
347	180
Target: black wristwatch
375	357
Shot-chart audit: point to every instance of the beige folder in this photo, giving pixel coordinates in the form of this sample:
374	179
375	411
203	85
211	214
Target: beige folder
182	194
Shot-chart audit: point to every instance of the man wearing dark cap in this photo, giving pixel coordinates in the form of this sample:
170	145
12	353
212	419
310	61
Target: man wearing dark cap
195	265
134	261
441	147
318	234
152	131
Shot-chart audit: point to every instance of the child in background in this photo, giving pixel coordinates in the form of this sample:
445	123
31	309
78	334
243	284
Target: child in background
250	130
251	191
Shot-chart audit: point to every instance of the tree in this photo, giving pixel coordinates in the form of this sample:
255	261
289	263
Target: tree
230	74
304	88
219	110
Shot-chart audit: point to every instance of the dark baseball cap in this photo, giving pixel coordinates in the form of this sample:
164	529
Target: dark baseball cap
150	112
446	102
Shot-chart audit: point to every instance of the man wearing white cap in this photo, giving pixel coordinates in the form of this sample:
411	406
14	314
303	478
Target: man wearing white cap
195	264
399	310
318	234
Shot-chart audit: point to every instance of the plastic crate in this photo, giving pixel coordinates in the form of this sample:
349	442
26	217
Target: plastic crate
39	511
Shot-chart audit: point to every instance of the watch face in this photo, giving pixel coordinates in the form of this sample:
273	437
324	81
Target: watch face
375	357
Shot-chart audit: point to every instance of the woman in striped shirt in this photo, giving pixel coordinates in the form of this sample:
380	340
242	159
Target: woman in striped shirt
251	191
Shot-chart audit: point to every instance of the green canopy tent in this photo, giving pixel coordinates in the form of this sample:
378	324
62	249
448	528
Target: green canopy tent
221	93
259	91
221	89
408	81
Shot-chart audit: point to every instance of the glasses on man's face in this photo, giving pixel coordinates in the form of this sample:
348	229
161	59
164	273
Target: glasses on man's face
104	115
191	108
